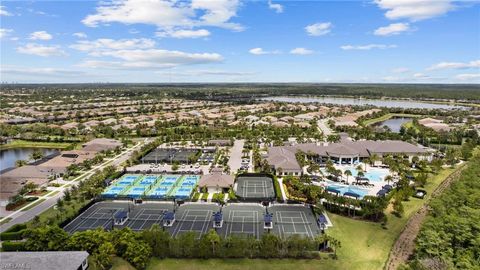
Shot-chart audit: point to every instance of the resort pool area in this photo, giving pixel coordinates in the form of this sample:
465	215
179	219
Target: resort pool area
342	189
373	174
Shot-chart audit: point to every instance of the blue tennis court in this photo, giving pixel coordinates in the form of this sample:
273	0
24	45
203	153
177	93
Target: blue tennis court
136	191
183	193
113	191
148	180
160	192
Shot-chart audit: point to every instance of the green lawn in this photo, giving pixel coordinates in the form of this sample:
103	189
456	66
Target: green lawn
30	144
386	117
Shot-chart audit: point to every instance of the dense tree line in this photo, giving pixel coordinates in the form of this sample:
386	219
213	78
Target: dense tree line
450	236
139	247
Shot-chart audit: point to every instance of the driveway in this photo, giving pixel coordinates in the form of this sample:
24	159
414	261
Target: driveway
323	127
235	161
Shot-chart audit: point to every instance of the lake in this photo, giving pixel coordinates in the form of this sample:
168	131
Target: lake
8	157
393	123
396	103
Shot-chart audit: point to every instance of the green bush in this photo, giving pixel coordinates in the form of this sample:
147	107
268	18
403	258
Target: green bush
17	227
18	235
13	246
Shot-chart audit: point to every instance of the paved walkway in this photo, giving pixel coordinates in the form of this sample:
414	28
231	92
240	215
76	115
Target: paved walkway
323	127
284	195
235	161
20	216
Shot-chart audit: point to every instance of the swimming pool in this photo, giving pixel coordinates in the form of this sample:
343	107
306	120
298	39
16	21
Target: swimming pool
374	175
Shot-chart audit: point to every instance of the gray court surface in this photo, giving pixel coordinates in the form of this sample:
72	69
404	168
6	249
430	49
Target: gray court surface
101	214
196	218
242	219
255	187
294	219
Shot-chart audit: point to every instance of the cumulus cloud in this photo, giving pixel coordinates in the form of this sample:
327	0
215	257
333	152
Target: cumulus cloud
205	73
168	15
5	32
41	50
367	47
260	51
183	33
400	70
40	35
152	58
468	77
301	51
79	35
98	46
455	65
4	12
46	71
414	10
420	75
319	29
392	29
277	7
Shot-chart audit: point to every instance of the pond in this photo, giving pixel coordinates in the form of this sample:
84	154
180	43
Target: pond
8	157
396	103
394	123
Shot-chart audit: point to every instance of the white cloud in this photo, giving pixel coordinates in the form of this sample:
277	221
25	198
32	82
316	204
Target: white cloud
420	75
98	46
4	12
183	33
260	51
400	70
79	35
41	71
5	32
392	29
40	35
468	77
319	29
205	73
40	50
367	47
301	51
151	58
277	7
455	65
168	15
414	10
391	79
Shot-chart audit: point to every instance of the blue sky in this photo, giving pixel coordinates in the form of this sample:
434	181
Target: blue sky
385	41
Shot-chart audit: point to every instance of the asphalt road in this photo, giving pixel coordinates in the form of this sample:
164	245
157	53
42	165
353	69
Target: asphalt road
19	216
235	161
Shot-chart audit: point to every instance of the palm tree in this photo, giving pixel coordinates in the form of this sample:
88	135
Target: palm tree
347	173
388	178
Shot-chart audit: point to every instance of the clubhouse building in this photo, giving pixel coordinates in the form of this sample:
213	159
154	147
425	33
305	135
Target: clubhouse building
283	160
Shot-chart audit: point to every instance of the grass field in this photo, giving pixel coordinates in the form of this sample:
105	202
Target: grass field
30	144
386	117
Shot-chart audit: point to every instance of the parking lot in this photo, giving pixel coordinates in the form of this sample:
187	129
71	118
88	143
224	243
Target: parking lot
242	219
